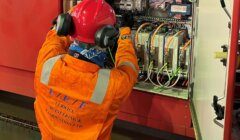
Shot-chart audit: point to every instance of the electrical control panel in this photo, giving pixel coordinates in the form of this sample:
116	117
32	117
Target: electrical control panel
67	4
162	36
130	5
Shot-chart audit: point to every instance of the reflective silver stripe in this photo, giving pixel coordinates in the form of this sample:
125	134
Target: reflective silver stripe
130	64
47	69
101	86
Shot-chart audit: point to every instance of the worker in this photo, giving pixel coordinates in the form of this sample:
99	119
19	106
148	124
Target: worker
77	98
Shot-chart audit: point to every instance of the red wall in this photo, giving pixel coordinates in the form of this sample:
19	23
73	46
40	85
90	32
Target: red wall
23	26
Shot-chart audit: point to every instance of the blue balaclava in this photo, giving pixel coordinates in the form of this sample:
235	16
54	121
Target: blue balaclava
94	53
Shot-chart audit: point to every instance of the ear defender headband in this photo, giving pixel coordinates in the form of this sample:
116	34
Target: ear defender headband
104	37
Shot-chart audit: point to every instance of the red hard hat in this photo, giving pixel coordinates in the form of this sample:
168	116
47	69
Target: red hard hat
89	16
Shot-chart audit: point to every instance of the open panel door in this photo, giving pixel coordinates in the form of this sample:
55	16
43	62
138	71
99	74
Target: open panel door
230	127
209	76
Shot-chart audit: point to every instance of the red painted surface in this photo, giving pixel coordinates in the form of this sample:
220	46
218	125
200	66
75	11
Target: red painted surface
23	27
157	111
177	129
16	81
190	132
232	69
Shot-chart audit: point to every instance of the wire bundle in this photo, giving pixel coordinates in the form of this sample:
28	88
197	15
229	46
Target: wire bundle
150	49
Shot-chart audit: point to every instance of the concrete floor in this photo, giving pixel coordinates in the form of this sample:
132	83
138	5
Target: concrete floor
21	107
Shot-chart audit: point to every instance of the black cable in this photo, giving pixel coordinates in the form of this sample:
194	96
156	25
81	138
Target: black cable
223	3
224	8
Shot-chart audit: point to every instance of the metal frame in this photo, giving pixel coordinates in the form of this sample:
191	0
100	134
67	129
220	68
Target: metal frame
232	69
198	135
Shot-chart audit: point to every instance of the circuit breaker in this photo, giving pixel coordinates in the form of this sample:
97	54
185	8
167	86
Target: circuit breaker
163	43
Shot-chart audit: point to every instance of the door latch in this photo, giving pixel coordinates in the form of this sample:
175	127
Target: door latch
219	111
222	55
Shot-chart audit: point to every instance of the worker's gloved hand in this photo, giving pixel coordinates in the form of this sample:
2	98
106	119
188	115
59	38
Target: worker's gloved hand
127	20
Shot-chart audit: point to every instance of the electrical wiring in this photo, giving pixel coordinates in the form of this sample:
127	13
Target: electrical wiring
110	52
174	84
148	49
170	41
179	75
170	77
163	45
152	48
147	55
150	64
163	54
149	45
141	40
186	45
148	72
159	71
138	30
173	81
166	53
138	45
154	83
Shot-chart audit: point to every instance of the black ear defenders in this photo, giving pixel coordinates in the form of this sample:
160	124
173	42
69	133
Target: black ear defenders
104	37
64	25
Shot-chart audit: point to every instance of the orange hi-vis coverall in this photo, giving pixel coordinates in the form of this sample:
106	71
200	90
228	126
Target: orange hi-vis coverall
78	100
